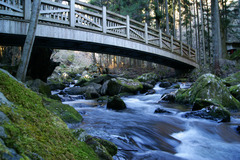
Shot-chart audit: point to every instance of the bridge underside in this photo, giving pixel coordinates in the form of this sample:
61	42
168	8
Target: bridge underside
95	42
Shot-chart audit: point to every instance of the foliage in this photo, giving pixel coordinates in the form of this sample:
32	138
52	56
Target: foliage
34	130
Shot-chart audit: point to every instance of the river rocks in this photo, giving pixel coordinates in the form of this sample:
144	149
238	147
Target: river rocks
212	112
116	103
235	91
159	110
102	150
168	97
232	80
147	77
201	103
165	84
91	93
150	91
146	87
208	87
120	85
76	90
238	129
3	118
65	112
39	86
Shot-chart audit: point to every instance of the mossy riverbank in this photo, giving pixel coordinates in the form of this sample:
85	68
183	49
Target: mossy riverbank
31	130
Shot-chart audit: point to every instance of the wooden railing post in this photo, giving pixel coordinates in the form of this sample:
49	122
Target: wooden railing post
181	48
146	33
72	13
189	51
128	27
195	53
160	38
172	44
27	9
104	19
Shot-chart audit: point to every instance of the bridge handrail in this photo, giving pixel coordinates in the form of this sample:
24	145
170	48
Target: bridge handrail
73	13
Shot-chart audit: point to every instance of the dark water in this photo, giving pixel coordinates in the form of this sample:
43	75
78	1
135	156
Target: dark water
142	135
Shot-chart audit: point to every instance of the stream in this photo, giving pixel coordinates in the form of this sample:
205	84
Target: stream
142	135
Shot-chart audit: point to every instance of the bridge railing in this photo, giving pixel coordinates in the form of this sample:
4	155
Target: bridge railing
73	13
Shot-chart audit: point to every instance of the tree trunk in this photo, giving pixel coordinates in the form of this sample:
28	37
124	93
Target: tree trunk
94	58
167	18
203	37
174	31
208	35
27	48
196	33
180	21
216	37
198	28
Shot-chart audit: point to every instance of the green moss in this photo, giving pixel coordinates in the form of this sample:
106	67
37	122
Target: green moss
235	91
182	96
209	87
129	85
235	55
232	80
35	130
65	112
147	77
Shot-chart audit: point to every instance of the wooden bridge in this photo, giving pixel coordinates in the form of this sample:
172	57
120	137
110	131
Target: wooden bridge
71	24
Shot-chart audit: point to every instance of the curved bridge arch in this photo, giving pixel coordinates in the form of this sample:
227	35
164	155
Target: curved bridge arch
80	26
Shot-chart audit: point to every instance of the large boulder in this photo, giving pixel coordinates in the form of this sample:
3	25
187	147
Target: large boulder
146	87
235	91
232	80
212	112
39	86
211	88
91	93
76	90
116	103
165	84
148	77
120	85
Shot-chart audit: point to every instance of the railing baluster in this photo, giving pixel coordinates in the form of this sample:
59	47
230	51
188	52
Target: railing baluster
160	38
27	9
128	27
104	19
181	49
146	33
172	44
72	13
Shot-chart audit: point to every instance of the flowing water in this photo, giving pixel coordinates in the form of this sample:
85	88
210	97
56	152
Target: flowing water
142	135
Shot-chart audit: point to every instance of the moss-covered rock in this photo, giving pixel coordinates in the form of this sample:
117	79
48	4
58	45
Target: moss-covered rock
120	85
39	86
235	55
209	87
232	80
216	113
235	91
33	130
110	147
65	112
99	149
183	96
146	77
116	103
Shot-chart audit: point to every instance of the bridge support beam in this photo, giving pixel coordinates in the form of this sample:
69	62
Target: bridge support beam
27	48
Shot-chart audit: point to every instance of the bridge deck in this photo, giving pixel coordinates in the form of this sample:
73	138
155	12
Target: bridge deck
79	26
